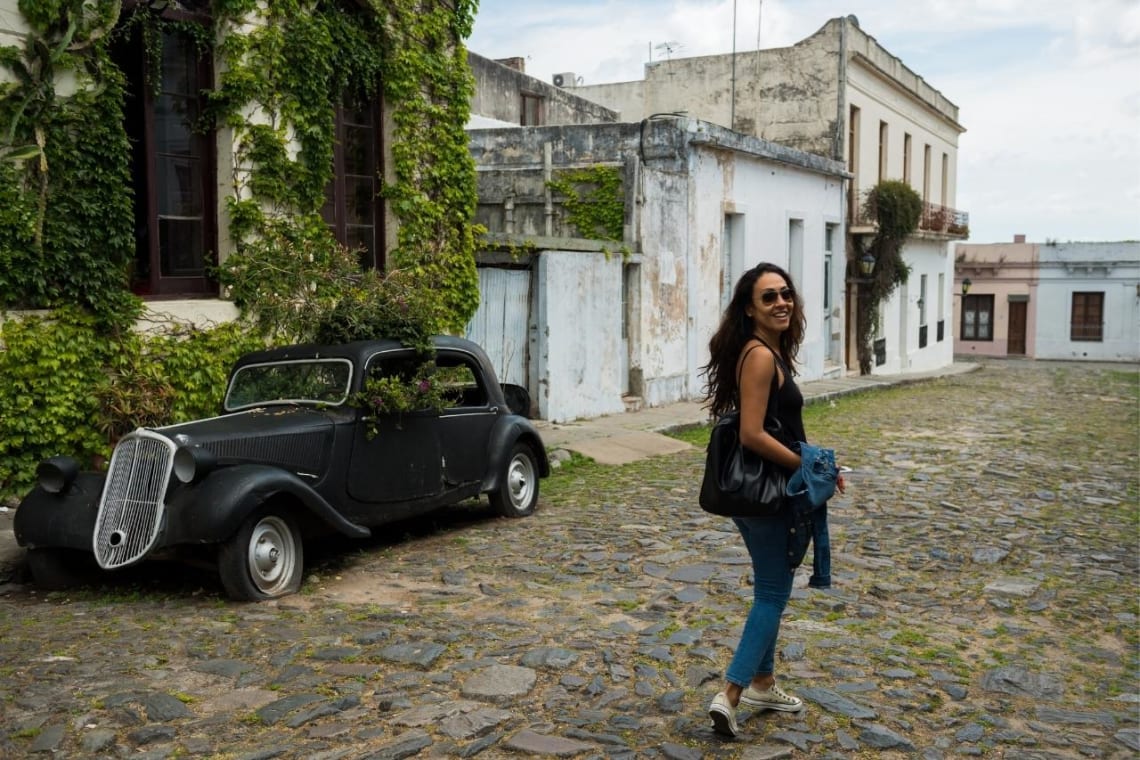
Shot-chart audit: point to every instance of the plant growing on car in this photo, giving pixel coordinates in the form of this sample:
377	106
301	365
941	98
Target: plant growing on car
394	394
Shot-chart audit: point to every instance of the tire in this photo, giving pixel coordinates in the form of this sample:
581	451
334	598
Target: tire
55	569
518	485
264	559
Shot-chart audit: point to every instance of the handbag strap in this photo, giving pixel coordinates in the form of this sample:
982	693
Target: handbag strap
774	391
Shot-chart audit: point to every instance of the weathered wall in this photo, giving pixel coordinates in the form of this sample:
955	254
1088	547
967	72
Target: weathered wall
1110	268
498	95
787	95
686	176
580	340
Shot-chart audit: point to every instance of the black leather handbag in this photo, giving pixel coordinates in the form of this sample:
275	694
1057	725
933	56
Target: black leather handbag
737	481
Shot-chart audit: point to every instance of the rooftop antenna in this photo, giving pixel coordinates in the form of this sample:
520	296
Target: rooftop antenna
668	48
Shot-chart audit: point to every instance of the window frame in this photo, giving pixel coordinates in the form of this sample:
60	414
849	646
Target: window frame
538	101
986	299
336	192
144	165
1082	331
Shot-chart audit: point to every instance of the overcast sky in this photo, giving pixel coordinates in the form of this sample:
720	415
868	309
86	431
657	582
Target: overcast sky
1048	90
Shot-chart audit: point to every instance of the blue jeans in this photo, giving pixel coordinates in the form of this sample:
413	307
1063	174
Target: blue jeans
767	542
821	554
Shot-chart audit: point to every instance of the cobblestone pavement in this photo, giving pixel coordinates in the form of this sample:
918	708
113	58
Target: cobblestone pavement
985	604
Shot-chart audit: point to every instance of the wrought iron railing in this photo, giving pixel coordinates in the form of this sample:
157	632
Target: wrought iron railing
944	219
935	218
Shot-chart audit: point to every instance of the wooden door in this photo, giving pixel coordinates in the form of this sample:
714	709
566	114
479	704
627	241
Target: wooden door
1016	337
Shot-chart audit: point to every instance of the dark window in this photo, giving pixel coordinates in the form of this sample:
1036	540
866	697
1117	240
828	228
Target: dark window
352	199
922	337
880	349
1087	319
941	330
172	157
531	110
977	317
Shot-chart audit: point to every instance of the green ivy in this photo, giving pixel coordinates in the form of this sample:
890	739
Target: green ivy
897	209
69	388
296	66
66	209
52	370
593	200
70	190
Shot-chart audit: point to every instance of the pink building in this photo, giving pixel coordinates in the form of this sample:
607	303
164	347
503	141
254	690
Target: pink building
995	298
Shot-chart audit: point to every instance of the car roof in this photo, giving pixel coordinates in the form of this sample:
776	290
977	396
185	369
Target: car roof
356	351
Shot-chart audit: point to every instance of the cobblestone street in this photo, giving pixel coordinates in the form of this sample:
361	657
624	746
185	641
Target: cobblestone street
985	604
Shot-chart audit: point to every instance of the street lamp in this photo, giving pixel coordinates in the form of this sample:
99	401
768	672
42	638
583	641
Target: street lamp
966	286
866	264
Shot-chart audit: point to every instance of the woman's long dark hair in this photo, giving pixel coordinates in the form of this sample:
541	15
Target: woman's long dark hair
736	329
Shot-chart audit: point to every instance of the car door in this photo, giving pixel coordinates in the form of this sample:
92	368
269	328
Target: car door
465	426
402	461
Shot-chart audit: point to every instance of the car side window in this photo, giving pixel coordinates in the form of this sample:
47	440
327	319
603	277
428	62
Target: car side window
462	385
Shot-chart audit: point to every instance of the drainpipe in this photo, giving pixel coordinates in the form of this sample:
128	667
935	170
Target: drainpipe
837	141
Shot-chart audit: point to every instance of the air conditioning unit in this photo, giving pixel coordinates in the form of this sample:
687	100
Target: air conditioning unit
565	79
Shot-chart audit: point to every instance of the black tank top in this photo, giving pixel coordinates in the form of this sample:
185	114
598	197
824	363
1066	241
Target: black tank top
786	402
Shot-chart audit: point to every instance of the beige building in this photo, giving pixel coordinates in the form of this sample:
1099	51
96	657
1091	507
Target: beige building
838	94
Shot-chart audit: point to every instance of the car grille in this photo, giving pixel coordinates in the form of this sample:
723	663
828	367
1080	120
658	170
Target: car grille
130	512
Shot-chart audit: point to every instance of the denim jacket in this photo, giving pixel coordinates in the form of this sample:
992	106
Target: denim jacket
816	478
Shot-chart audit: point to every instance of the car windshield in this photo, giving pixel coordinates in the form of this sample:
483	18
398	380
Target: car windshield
315	381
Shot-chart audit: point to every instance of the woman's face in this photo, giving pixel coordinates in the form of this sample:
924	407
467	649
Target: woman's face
772	303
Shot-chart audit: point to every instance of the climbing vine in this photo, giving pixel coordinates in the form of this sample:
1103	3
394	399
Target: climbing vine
67	216
593	200
288	67
68	233
897	208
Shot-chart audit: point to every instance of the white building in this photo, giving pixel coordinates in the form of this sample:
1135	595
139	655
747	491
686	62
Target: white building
595	326
1088	301
842	95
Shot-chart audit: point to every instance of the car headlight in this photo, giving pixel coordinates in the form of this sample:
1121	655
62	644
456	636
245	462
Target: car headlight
191	463
56	474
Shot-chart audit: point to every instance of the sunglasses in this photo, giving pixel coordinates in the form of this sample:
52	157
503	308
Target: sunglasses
768	297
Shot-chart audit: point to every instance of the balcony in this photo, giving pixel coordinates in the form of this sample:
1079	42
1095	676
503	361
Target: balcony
944	220
939	220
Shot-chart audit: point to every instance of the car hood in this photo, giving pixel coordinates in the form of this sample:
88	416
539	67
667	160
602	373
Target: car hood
296	438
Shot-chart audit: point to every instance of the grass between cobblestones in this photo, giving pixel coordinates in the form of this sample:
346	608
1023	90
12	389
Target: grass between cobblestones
991	525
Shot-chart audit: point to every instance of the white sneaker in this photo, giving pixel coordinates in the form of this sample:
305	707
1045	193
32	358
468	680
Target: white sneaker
772	699
723	716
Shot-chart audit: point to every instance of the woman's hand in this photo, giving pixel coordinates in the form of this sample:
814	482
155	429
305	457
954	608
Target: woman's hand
841	484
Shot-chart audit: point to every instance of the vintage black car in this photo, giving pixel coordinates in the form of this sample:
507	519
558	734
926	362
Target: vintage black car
293	453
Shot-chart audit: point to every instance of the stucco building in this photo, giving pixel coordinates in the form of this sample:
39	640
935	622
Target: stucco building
594	322
838	94
1048	300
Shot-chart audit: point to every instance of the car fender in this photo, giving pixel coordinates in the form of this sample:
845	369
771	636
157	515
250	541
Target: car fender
212	510
63	520
506	433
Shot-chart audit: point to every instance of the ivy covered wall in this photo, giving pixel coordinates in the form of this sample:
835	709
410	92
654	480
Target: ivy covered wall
67	218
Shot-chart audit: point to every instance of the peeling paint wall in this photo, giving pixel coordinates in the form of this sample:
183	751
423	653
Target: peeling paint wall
579	340
681	177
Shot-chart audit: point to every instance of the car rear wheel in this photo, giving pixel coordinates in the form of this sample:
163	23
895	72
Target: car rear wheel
264	559
518	487
55	569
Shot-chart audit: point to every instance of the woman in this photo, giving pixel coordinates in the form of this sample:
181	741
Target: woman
753	351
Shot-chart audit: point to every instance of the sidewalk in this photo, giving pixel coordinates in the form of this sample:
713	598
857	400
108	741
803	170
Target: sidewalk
623	438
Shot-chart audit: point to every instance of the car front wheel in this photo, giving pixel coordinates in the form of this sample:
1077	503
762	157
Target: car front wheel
518	487
264	559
